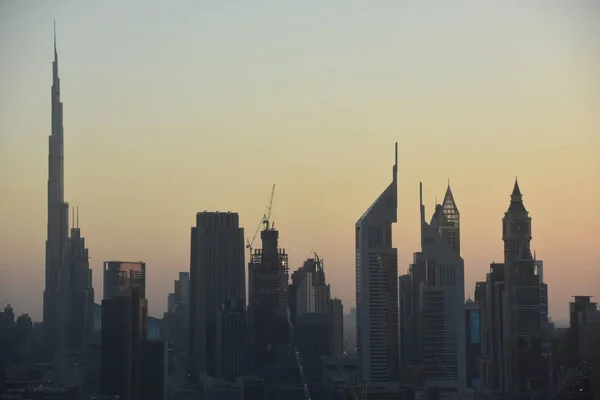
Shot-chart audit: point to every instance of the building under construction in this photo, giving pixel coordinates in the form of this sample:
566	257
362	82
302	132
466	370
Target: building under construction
268	276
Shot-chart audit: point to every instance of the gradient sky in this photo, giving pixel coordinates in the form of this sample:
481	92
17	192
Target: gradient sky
177	107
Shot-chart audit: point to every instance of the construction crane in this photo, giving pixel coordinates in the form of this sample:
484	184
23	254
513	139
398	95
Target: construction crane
263	220
267	218
249	243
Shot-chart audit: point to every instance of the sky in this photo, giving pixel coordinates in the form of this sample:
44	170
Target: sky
171	108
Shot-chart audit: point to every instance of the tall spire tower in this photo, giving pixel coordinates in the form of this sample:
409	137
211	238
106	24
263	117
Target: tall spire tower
58	210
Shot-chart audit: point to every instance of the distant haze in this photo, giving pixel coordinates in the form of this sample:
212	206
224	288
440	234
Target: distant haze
174	108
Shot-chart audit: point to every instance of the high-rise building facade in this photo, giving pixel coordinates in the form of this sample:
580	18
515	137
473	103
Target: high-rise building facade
336	316
216	274
524	367
231	340
124	328
120	277
377	287
58	214
584	331
513	301
268	277
473	344
308	291
432	301
75	297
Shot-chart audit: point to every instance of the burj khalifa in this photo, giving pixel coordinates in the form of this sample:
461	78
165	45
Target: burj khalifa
58	211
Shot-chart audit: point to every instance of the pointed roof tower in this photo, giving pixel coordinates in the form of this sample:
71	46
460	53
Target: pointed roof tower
450	208
516	201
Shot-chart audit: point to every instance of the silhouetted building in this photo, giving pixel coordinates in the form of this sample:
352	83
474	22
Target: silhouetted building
58	214
268	293
24	328
175	324
472	344
122	276
514	312
154	371
231	340
377	287
336	315
124	329
75	297
432	301
216	274
584	330
313	340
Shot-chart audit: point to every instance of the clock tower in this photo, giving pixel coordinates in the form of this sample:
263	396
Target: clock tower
516	230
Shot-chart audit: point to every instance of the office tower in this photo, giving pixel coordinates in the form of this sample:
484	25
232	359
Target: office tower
522	360
124	328
377	287
231	340
308	291
24	327
514	311
175	323
584	331
58	213
336	313
123	276
472	344
216	274
75	297
313	341
268	292
154	372
432	301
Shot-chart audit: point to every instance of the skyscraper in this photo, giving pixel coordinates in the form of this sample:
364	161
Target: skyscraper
377	287
122	276
268	277
522	361
216	274
58	212
124	328
75	297
432	301
514	317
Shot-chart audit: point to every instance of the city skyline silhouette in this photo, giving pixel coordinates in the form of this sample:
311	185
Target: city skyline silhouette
149	146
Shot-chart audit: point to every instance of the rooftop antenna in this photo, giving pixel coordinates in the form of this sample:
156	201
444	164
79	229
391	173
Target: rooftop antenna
54	23
73	219
77	217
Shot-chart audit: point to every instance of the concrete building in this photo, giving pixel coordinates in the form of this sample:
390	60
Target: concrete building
216	274
268	276
377	287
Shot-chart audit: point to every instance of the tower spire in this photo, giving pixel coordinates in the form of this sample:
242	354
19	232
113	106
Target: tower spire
54	22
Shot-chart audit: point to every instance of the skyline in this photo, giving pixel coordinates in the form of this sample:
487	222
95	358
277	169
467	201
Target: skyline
364	135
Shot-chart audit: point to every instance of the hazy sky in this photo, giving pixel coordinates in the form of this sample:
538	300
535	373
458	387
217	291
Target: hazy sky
177	107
